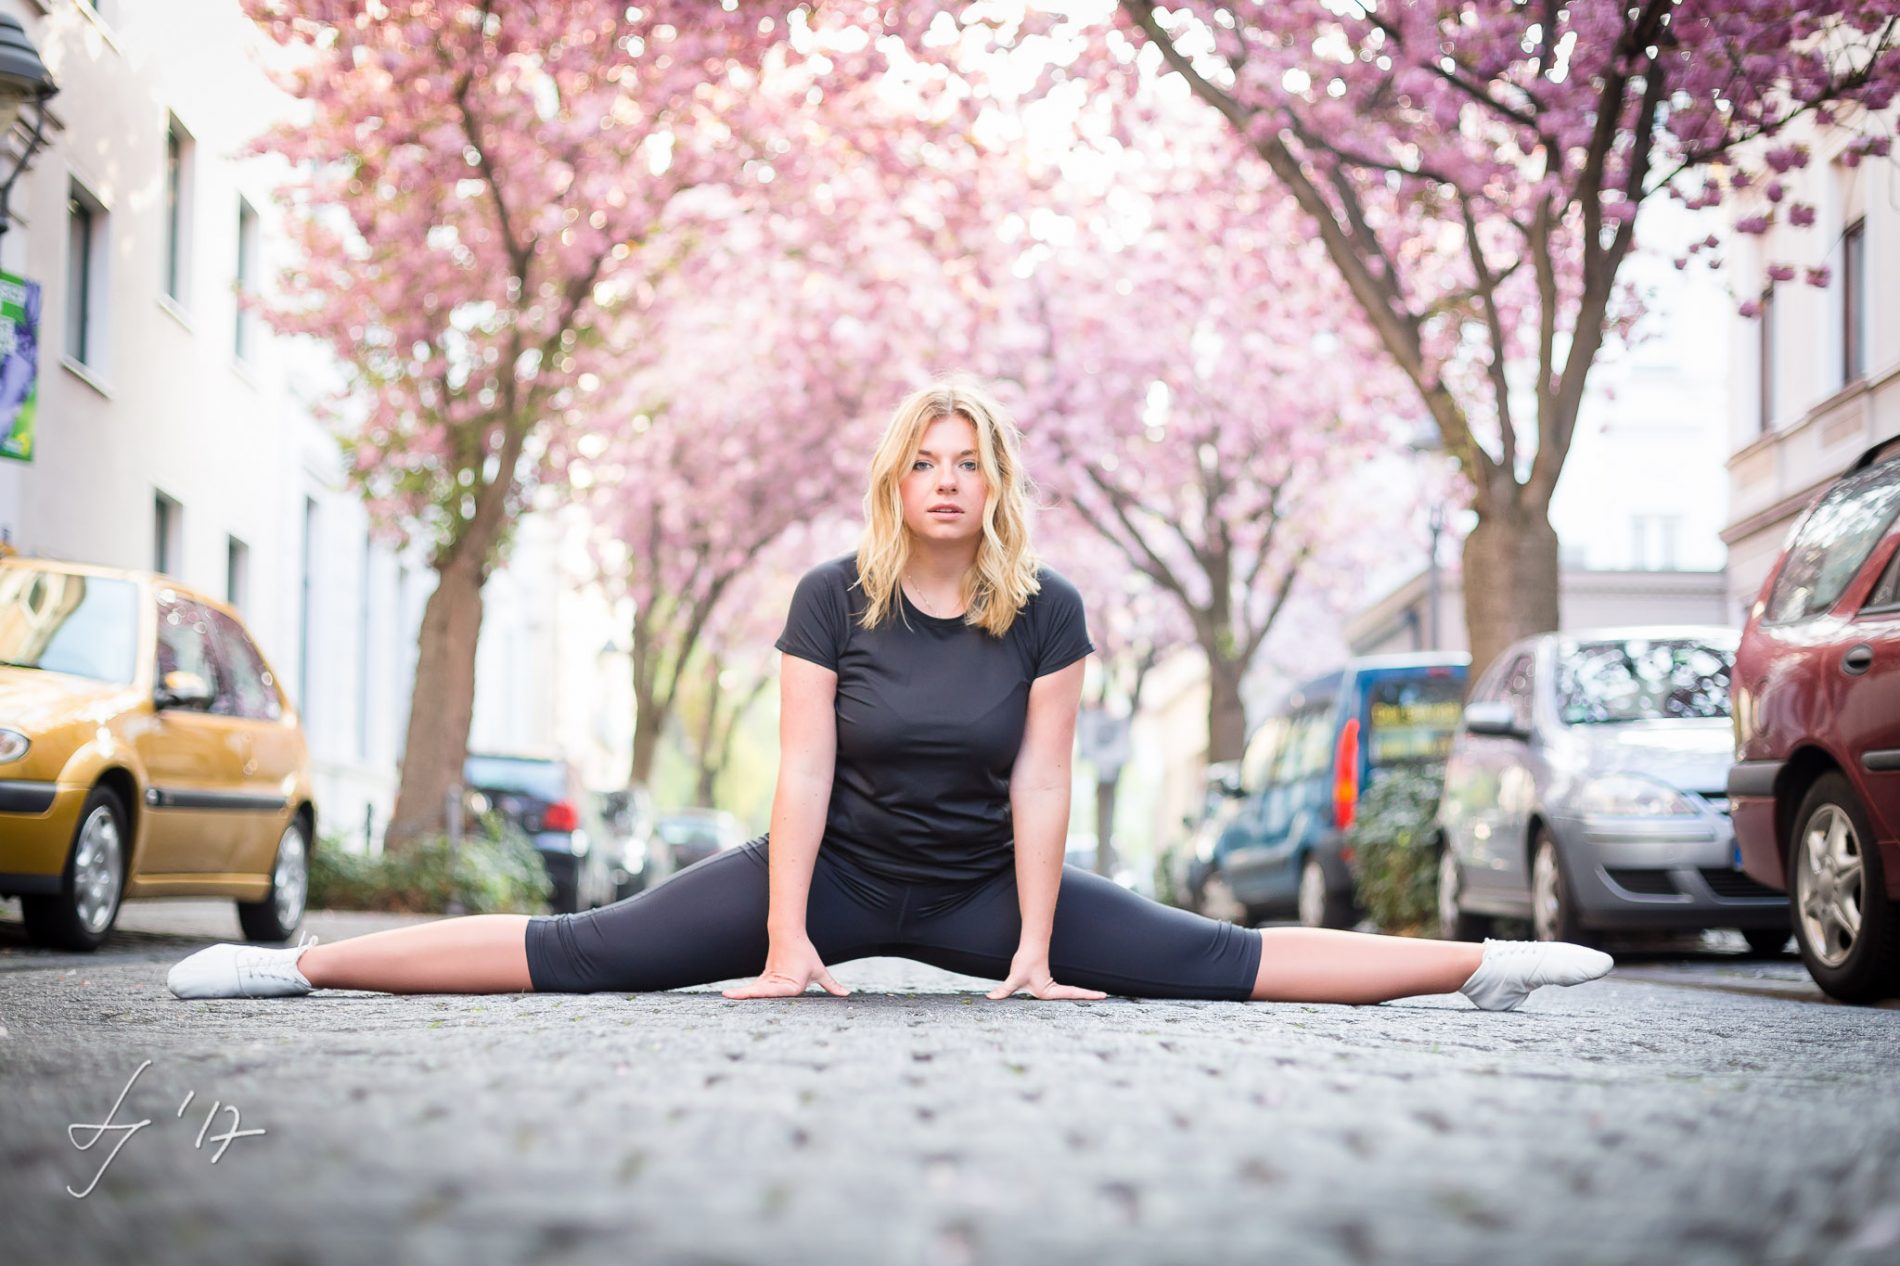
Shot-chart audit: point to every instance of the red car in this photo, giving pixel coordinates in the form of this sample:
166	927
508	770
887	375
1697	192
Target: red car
1815	792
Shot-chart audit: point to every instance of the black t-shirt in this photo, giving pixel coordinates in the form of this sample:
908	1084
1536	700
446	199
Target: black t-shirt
931	713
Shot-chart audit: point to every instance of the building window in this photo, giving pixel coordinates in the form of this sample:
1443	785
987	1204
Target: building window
363	651
305	608
85	278
178	163
1653	541
237	571
167	525
1765	355
1854	302
406	665
246	279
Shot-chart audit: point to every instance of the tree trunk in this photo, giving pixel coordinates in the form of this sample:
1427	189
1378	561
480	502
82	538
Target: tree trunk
1226	717
647	723
1510	574
441	702
708	757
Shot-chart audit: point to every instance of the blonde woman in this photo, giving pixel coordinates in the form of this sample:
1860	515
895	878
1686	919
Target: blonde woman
929	690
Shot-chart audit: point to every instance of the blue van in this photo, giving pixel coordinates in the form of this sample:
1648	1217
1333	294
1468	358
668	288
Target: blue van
1278	851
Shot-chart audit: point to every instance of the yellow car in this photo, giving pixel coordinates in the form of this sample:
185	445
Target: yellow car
146	750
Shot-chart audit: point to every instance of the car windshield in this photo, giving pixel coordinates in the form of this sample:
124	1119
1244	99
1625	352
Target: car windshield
1833	541
1640	680
543	779
63	622
1412	716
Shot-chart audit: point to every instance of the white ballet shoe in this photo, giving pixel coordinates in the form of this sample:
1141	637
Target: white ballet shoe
1511	969
241	971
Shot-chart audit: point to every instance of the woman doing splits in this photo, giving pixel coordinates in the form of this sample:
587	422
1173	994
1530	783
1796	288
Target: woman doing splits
929	691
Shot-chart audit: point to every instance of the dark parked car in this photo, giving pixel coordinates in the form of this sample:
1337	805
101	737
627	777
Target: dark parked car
1279	850
1586	792
1816	785
545	798
1185	859
692	835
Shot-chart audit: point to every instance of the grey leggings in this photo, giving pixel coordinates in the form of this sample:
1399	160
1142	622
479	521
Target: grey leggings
707	923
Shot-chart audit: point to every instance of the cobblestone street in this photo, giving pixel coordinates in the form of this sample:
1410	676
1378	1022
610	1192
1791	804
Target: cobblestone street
1711	1110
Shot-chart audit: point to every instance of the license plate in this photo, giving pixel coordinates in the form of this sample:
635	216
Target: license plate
1738	857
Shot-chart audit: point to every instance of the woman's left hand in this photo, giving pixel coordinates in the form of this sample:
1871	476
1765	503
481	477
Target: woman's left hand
1029	970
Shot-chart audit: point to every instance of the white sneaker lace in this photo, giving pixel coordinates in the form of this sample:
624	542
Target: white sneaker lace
271	963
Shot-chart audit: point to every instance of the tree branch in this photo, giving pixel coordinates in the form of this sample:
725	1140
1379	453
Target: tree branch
1377	297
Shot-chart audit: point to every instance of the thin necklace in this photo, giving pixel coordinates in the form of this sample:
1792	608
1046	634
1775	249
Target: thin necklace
920	603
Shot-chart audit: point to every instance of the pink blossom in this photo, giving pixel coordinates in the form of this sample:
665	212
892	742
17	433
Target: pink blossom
1784	158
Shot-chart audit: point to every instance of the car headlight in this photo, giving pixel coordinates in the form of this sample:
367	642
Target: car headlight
1627	796
13	745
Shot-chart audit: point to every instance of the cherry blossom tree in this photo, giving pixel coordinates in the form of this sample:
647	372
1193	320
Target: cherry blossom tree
489	195
1173	339
778	349
764	392
1473	172
763	402
1135	626
734	667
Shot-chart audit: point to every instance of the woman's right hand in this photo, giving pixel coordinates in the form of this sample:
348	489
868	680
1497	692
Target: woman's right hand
791	963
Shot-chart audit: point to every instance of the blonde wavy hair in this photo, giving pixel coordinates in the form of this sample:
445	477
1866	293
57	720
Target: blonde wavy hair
1003	577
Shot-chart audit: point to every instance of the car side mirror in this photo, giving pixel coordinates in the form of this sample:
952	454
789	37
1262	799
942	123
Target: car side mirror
181	689
1495	719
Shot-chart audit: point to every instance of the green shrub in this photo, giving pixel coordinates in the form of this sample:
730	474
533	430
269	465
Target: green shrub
1396	866
495	870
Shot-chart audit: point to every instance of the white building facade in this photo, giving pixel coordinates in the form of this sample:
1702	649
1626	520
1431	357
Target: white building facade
173	431
1817	374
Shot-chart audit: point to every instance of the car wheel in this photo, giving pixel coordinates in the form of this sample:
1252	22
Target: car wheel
280	913
1455	923
1766	942
1849	933
80	915
1319	908
1219	902
1553	909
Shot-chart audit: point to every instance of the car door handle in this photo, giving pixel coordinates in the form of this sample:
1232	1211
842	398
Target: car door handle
1858	660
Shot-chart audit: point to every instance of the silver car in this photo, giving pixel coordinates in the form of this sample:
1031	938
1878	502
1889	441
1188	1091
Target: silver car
1587	791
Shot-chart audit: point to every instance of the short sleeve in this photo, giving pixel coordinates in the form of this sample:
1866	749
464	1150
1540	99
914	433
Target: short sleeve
1061	627
815	625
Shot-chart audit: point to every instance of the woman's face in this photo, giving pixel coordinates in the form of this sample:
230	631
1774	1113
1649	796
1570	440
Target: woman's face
946	472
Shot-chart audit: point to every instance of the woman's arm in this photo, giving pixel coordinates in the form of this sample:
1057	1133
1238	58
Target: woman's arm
808	749
1039	809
